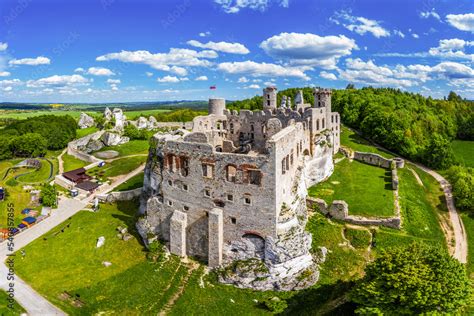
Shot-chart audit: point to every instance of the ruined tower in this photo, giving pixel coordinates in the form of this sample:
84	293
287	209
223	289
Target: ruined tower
269	98
216	106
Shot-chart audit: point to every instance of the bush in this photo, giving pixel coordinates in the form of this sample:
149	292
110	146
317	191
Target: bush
275	305
413	280
462	181
48	195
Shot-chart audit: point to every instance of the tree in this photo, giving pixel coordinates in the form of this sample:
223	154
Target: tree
439	153
28	145
412	280
462	181
350	86
48	195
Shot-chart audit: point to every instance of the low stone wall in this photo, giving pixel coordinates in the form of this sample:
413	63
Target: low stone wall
63	182
340	210
373	159
120	195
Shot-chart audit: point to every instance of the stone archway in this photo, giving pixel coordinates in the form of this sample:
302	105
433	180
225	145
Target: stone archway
254	245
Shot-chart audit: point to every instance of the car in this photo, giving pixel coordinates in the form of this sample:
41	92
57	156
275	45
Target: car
20	226
25	211
14	231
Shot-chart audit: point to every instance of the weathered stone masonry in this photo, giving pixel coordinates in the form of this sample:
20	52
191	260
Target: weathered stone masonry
234	189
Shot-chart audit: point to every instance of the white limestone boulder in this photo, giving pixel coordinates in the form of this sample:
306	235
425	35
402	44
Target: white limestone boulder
85	121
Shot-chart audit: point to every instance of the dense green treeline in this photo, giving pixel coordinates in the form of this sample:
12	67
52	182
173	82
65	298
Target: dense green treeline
33	136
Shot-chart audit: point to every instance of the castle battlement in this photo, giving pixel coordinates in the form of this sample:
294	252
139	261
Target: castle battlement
234	188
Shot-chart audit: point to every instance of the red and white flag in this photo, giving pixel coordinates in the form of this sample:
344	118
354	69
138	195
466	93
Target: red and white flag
213	87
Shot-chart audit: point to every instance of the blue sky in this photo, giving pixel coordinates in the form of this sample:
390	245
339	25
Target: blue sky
144	50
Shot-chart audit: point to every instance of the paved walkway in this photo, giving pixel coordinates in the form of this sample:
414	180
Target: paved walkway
26	296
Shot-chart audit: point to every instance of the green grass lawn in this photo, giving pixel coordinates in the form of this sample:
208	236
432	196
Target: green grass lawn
81	132
41	175
421	207
69	261
21	115
132	183
6	310
464	152
117	167
359	238
366	189
71	162
356	142
24	114
133	147
133	115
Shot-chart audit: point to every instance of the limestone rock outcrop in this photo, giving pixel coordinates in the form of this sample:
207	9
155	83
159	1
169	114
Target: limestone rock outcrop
113	139
85	121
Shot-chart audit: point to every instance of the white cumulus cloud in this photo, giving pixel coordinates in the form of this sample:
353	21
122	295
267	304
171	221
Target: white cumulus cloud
463	22
4	74
176	60
261	69
432	13
31	61
58	81
225	47
309	49
201	78
234	6
114	81
359	24
3	46
171	79
99	71
328	75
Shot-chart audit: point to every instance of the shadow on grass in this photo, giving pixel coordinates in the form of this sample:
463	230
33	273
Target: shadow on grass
129	217
327	299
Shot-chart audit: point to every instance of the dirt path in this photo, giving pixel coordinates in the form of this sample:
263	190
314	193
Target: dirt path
193	266
416	176
60	162
460	237
122	157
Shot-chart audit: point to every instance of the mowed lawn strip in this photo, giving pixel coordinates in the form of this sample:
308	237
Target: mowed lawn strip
132	183
133	147
366	189
71	163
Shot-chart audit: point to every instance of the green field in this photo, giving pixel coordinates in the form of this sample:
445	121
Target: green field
71	163
81	132
117	167
133	147
464	152
43	174
69	261
366	189
20	114
5	310
132	183
353	140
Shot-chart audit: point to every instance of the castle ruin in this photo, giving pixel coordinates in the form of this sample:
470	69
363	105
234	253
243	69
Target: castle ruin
233	191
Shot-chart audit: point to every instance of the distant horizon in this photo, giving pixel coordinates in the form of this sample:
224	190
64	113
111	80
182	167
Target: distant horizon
95	51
